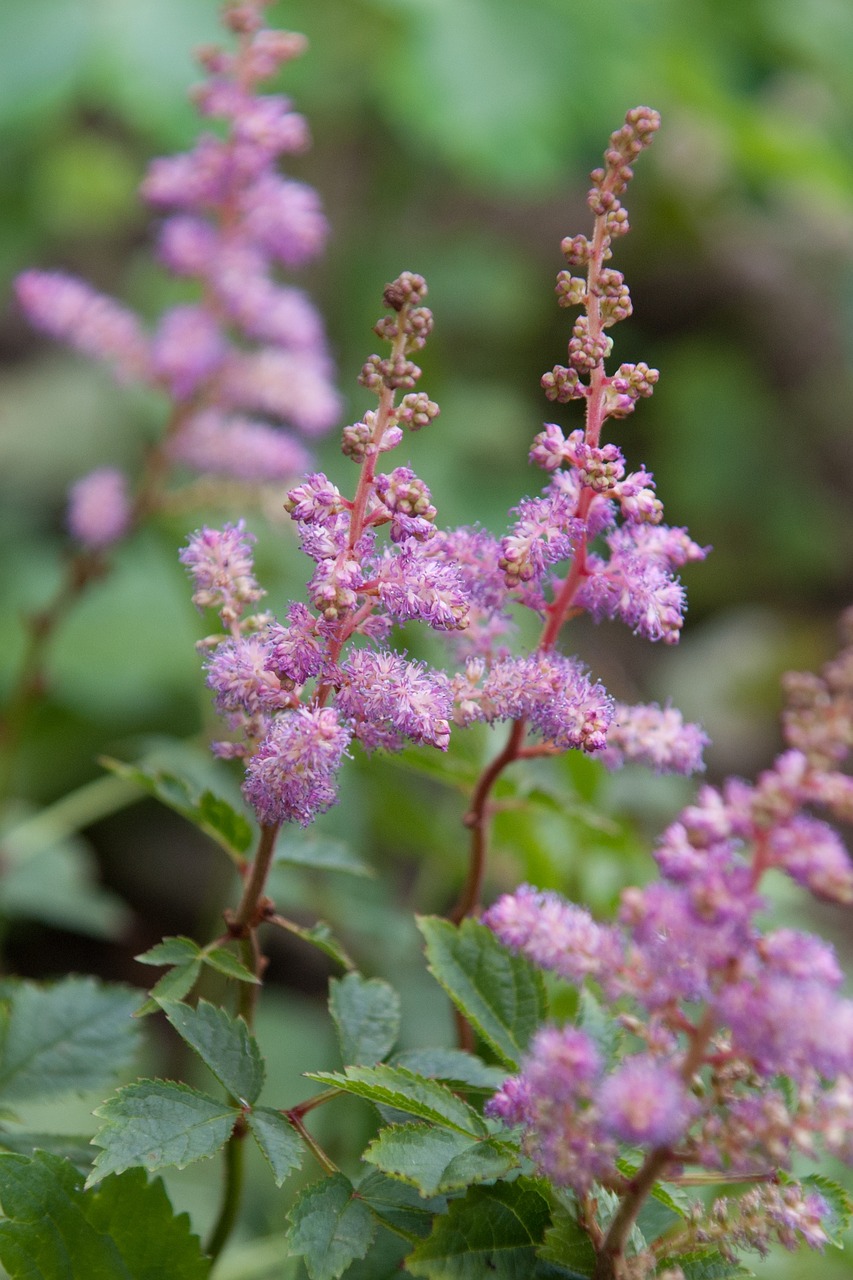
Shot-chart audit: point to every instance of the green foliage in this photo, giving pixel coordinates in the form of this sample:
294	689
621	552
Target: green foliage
566	1243
320	935
494	1231
438	1161
157	1123
72	1036
840	1204
706	1265
366	1014
602	1027
330	1227
277	1140
461	1070
405	1091
500	994
223	1043
187	959
123	1230
231	830
399	1207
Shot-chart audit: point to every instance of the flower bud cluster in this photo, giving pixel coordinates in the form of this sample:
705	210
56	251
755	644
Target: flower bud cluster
590	489
249	345
738	1045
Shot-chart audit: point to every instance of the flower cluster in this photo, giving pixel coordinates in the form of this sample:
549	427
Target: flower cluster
290	692
599	521
737	1045
245	364
464	582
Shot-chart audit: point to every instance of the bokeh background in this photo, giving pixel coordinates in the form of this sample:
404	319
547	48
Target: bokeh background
451	137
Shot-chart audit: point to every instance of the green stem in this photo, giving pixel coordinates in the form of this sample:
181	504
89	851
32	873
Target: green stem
235	1168
243	925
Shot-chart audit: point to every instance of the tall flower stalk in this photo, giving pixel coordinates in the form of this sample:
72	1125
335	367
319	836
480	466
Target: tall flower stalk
589	500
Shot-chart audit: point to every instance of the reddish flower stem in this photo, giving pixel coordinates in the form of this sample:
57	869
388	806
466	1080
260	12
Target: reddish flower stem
557	612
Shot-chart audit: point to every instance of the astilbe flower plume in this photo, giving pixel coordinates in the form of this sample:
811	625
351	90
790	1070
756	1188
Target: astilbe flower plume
244	364
737	1042
297	693
593	541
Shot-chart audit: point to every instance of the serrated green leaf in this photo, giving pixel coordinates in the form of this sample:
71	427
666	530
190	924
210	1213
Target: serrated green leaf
366	1014
493	1231
319	935
173	985
454	1066
439	1160
280	1144
223	1043
399	1207
211	814
599	1025
330	1228
500	994
322	854
123	1230
69	1037
416	1095
568	1245
174	950
224	961
157	1123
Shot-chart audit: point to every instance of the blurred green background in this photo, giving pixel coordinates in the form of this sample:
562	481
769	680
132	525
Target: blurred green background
453	138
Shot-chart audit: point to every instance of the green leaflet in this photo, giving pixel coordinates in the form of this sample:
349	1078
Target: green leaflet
223	1043
210	813
156	1123
439	1160
402	1089
494	1232
279	1142
366	1014
500	994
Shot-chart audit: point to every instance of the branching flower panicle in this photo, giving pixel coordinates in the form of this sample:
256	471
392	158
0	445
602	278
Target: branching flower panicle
290	691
